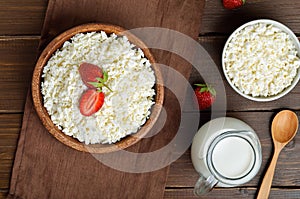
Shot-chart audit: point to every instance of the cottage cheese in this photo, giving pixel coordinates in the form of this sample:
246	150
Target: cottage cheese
130	76
261	60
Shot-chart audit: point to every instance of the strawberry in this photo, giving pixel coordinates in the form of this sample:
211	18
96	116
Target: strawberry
89	73
233	4
94	78
90	102
205	95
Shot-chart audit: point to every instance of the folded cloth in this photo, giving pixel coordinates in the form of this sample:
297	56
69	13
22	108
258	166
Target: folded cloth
44	167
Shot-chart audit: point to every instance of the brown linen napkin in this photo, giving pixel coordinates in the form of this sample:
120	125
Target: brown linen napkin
44	167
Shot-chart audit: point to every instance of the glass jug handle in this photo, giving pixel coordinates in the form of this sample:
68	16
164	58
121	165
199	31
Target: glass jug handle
204	185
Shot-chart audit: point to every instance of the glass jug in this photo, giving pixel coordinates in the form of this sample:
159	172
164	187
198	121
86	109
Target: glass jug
226	152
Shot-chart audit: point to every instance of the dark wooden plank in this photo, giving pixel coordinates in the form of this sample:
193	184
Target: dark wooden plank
3	193
17	59
22	17
7	153
13	95
216	19
215	193
10	126
26	17
8	140
182	173
5	172
10	123
18	55
221	193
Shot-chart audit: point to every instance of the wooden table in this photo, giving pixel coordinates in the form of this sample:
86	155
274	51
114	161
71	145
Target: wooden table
21	23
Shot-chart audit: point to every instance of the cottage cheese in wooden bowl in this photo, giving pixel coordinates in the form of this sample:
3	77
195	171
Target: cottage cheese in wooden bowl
261	60
133	96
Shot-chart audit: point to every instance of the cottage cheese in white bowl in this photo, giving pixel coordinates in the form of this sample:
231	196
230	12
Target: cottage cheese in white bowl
261	60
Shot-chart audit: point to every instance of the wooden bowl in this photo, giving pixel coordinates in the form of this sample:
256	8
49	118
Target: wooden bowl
43	113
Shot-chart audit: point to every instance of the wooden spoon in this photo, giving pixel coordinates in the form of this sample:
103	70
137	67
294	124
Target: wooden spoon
284	129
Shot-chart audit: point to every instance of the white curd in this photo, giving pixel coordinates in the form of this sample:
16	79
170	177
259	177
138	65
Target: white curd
130	76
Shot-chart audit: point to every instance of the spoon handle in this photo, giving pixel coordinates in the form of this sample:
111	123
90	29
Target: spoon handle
267	181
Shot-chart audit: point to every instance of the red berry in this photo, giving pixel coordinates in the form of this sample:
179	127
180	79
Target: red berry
233	4
89	73
205	96
90	102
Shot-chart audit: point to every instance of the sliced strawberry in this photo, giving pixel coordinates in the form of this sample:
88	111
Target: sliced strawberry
89	73
91	101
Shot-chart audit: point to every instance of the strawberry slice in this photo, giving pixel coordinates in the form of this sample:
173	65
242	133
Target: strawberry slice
90	102
90	73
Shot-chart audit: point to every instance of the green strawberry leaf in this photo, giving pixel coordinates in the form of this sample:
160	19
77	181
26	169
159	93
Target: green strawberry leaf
200	85
101	82
105	76
212	91
206	88
96	84
203	89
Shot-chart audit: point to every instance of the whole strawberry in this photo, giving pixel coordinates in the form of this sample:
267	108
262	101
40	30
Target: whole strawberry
205	95
90	73
233	4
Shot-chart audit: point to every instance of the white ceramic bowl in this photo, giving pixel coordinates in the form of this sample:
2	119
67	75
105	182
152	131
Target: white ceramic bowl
294	40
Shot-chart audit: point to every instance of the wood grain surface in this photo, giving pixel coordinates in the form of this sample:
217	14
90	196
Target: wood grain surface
22	17
21	24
